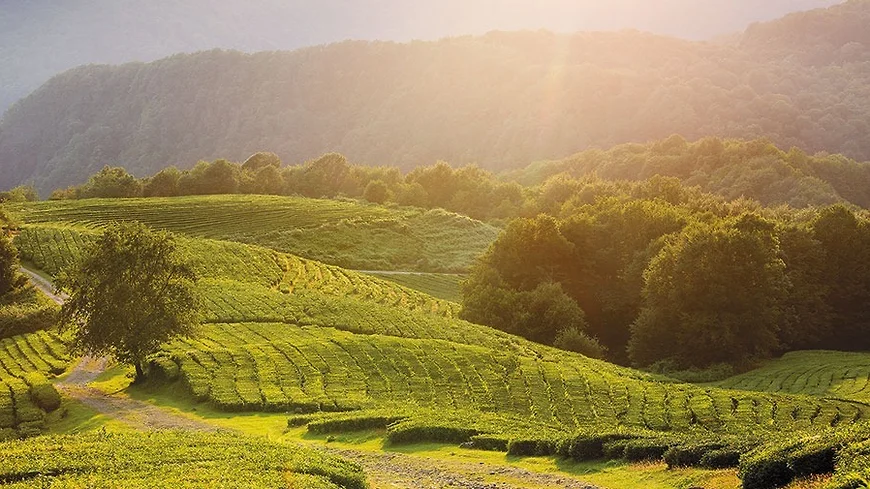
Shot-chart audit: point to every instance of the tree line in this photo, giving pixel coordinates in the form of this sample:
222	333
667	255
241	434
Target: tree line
731	168
467	190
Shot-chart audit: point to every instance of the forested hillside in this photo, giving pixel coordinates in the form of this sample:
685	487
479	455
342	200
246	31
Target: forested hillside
500	100
41	39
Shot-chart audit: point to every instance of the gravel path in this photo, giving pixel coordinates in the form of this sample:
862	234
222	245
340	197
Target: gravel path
44	285
394	470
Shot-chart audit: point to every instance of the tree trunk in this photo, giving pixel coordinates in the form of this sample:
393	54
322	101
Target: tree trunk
140	372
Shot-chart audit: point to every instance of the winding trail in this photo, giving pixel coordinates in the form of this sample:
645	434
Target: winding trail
385	470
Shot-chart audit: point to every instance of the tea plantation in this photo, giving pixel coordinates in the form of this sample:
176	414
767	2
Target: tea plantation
841	375
26	363
342	351
170	459
348	234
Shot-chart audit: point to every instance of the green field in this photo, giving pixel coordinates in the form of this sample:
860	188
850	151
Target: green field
170	459
345	233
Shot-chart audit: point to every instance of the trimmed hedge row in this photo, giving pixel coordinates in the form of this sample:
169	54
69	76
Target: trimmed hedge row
825	452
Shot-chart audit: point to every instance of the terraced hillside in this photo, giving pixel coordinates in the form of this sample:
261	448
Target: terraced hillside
26	363
345	351
262	284
441	285
170	459
831	374
344	233
342	340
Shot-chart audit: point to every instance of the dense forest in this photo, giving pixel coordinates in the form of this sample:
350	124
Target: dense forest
41	39
755	169
500	100
657	273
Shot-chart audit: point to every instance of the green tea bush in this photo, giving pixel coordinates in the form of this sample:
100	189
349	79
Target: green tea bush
42	391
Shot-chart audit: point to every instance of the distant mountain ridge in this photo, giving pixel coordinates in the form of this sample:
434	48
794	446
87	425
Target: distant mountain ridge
40	38
501	100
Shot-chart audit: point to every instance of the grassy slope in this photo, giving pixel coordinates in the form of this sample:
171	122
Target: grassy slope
349	234
285	333
290	333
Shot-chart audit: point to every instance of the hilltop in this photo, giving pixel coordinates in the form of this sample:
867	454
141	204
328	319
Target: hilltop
349	234
73	33
500	100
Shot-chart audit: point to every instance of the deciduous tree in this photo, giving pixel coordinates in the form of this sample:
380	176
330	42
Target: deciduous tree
130	293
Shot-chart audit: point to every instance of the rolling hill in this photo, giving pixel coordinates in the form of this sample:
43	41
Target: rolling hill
500	100
77	33
346	351
345	233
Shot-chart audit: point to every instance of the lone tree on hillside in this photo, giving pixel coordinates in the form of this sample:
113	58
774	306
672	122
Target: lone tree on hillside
130	293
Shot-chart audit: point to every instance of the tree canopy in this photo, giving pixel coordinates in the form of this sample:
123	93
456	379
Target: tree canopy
664	273
131	293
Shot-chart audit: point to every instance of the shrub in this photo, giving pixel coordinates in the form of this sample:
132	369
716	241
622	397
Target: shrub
42	392
721	459
532	447
591	446
646	449
765	473
491	443
689	455
417	431
358	423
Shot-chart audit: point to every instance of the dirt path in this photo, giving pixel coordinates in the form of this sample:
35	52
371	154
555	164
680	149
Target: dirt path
395	470
44	285
134	413
385	470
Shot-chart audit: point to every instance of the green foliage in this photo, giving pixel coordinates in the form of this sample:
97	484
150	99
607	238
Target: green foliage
130	294
21	193
260	160
541	314
9	276
111	182
25	310
170	459
731	168
572	339
25	363
376	191
163	184
713	294
219	177
777	464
